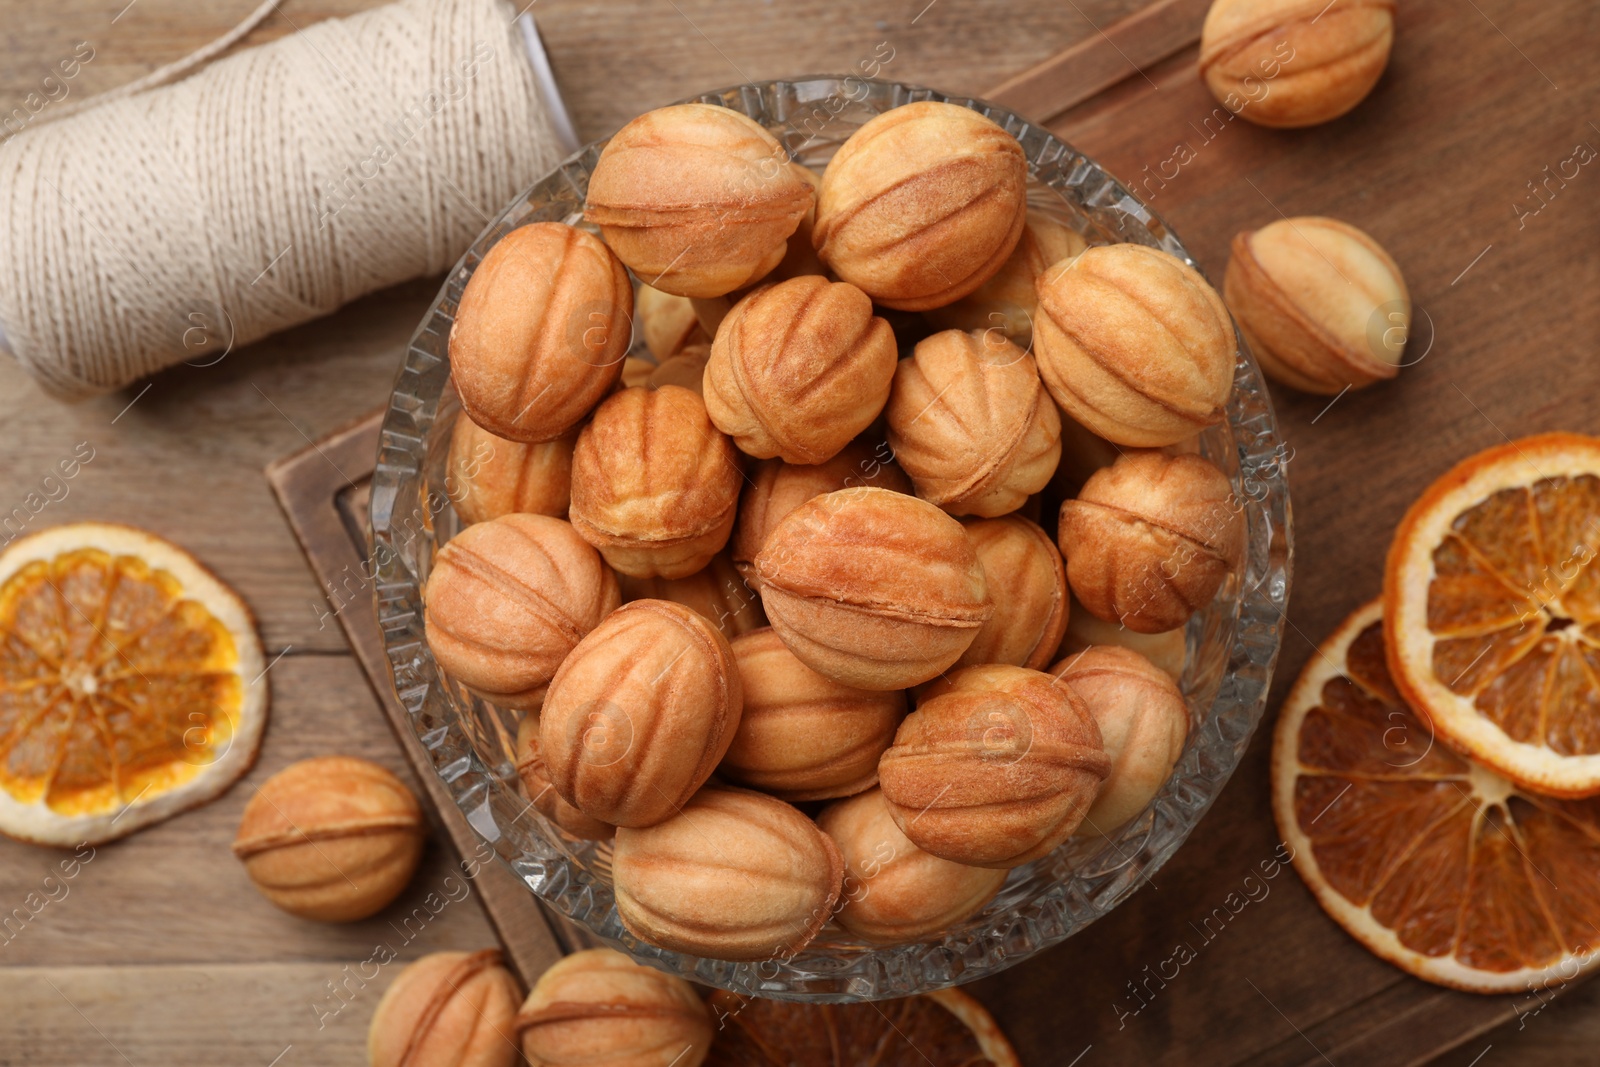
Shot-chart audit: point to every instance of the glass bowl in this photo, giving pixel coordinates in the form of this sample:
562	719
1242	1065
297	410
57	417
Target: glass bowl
1232	644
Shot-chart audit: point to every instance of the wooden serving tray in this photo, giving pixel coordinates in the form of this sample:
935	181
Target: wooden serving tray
1225	960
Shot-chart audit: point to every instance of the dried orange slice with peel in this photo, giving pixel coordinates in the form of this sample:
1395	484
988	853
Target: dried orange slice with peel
1492	592
131	684
945	1028
1431	861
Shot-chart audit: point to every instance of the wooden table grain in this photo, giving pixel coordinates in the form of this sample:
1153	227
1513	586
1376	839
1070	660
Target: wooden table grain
159	952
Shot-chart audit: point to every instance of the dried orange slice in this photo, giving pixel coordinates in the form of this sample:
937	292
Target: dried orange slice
945	1028
1431	861
1492	593
131	684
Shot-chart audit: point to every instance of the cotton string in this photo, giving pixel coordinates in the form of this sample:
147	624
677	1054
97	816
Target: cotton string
176	223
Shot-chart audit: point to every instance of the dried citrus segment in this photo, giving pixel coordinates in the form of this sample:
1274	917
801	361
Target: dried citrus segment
1431	861
946	1028
131	684
1493	595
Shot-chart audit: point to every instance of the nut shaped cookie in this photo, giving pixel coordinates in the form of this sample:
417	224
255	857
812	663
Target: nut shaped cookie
803	736
777	488
697	200
541	332
995	768
1151	538
489	476
598	1008
654	484
922	205
640	713
1134	344
1143	722
736	875
971	423
1025	573
508	599
873	588
798	369
895	892
1292	63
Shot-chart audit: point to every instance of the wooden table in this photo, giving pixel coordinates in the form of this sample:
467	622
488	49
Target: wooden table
161	953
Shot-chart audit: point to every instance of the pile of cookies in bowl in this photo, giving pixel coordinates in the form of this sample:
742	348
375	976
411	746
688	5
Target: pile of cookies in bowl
862	582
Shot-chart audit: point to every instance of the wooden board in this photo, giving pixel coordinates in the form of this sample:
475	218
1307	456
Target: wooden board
165	955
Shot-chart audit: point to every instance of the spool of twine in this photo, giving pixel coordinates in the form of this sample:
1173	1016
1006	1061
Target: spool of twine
172	224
